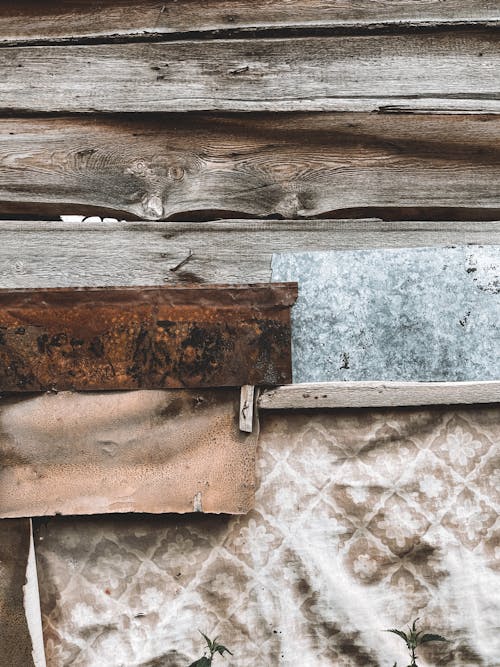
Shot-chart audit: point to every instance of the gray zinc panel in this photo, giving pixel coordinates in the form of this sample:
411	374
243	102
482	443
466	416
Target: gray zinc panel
424	314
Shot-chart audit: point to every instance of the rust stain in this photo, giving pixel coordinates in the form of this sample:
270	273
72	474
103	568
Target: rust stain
145	337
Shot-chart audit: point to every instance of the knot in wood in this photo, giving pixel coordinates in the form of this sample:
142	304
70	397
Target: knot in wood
176	172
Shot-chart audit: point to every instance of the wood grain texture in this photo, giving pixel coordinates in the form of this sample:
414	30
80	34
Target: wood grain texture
292	165
450	70
46	22
52	254
377	394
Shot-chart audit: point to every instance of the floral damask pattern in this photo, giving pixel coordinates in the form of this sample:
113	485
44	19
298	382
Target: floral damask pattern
363	521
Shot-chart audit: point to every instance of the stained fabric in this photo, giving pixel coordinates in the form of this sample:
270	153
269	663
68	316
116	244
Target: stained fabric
15	640
143	451
364	520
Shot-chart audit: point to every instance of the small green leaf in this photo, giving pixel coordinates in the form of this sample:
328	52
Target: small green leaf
202	662
209	641
431	638
221	649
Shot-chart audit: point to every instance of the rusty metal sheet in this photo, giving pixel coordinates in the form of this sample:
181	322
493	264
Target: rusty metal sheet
145	338
150	451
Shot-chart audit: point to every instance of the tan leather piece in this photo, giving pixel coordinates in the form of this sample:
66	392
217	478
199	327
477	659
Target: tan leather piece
143	451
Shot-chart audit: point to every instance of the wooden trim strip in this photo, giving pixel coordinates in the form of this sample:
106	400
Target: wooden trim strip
446	70
44	22
377	394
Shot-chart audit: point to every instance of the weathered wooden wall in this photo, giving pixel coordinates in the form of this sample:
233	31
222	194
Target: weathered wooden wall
93	99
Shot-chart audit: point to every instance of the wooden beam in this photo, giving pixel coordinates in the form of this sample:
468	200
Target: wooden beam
59	254
377	394
291	165
42	22
437	70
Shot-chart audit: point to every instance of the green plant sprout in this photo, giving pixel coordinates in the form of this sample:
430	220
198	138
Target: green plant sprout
413	639
213	648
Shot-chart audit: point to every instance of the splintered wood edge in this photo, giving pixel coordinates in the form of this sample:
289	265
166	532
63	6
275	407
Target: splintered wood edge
377	394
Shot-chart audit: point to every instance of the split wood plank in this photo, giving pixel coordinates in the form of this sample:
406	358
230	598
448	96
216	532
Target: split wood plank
448	70
59	254
145	338
292	165
377	394
48	22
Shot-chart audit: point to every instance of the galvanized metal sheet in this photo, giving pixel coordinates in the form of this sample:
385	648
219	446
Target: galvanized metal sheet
151	337
140	451
424	314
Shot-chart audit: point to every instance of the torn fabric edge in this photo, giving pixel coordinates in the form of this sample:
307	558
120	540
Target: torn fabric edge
32	606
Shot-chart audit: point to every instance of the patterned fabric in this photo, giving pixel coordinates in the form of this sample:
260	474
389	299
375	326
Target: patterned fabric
363	521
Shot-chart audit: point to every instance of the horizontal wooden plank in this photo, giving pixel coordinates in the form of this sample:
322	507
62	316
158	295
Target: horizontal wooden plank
59	254
43	21
377	394
141	451
293	165
451	68
145	338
